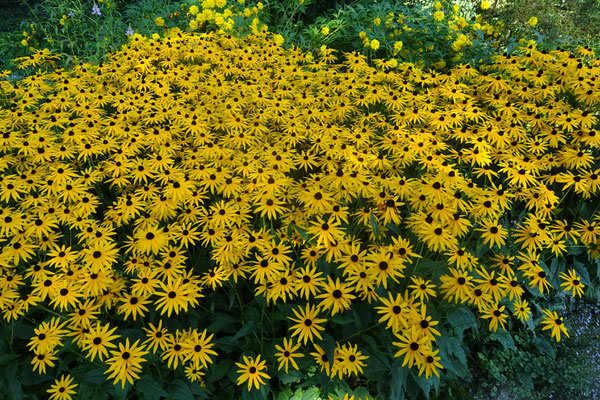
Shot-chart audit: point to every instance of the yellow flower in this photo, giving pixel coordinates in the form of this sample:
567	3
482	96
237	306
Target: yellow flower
374	44
437	5
259	5
555	323
438	16
440	64
194	10
159	21
279	39
252	370
62	388
532	21
24	42
485	5
377	21
325	31
398	46
362	35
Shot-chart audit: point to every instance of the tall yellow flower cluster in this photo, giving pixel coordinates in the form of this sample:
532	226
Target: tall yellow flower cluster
328	188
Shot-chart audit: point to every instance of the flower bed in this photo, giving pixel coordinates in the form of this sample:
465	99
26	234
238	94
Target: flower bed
229	211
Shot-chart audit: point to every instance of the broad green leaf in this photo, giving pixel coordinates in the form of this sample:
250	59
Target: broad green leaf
220	370
247	328
293	375
179	390
462	319
453	357
375	225
544	347
311	394
399	377
303	232
150	387
95	375
582	271
505	339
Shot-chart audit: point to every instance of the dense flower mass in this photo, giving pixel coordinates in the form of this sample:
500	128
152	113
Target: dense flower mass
192	163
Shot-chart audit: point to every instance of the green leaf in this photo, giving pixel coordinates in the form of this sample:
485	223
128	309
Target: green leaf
179	390
462	319
341	320
311	394
328	345
149	387
95	375
303	233
247	328
453	355
426	384
505	339
375	225
293	375
220	370
255	394
399	377
544	347
582	271
526	379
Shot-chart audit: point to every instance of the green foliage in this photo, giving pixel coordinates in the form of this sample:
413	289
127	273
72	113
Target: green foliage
76	28
559	21
534	367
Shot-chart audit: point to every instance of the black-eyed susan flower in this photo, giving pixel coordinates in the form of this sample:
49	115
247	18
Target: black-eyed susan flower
495	313
99	340
174	351
412	347
572	283
308	282
172	298
126	362
198	348
395	311
353	361
457	285
62	389
522	310
431	364
43	359
336	296
307	324
555	323
48	336
157	337
421	289
287	353
252	371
